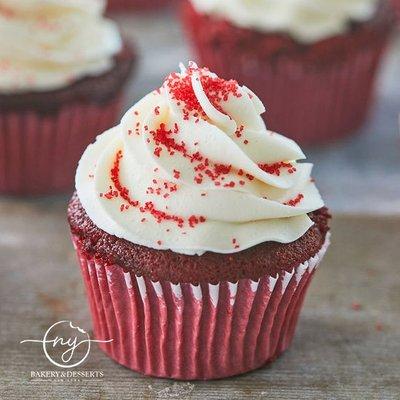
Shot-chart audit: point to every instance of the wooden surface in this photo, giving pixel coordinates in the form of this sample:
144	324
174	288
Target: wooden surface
339	352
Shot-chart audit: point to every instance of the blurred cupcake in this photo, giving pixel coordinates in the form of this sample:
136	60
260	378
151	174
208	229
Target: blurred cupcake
62	68
396	6
197	231
312	62
118	5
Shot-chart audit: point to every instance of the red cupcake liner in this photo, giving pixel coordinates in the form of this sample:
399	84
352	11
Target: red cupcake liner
313	94
39	152
186	332
118	5
396	7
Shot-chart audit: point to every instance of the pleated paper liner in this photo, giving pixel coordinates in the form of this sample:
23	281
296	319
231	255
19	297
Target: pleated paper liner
396	7
39	153
185	332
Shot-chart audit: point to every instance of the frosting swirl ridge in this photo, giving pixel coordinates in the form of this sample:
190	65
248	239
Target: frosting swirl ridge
48	44
192	168
305	20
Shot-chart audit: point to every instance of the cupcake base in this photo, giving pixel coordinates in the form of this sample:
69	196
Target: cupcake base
43	134
39	152
396	7
189	332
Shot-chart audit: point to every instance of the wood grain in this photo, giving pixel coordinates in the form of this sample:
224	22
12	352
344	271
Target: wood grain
347	344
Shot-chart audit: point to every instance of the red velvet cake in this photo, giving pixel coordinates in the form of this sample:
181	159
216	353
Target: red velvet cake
197	231
56	96
268	258
318	88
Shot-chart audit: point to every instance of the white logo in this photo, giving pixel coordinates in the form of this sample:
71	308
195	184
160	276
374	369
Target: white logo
66	352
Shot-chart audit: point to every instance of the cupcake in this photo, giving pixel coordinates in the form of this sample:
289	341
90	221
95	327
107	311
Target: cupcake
312	62
197	231
396	6
62	68
118	5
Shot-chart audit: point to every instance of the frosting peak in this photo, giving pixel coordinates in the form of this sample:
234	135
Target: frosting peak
192	168
305	20
48	44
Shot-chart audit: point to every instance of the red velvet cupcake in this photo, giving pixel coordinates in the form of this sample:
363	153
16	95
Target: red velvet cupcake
197	231
396	6
62	72
314	65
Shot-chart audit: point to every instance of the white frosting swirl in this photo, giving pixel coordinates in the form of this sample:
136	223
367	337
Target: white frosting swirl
48	44
192	168
305	20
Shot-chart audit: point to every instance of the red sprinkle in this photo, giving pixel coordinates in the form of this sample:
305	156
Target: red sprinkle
217	90
163	136
220	169
249	177
275	169
123	192
230	184
295	201
239	131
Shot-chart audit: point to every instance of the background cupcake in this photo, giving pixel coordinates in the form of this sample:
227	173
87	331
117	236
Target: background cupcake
313	63
62	69
197	231
396	6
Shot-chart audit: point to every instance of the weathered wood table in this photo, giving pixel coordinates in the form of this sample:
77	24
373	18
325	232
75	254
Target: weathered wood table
347	344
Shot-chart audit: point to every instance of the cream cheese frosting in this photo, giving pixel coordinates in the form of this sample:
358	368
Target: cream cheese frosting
192	168
305	20
48	44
